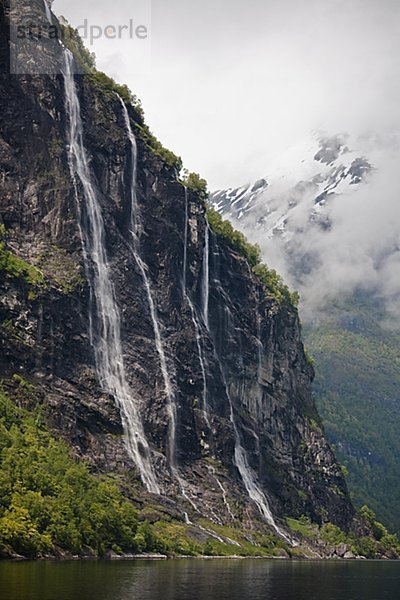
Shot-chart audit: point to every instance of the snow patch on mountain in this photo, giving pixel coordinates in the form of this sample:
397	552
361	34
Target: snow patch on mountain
305	179
326	216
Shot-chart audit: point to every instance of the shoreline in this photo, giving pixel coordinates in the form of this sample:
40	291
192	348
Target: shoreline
164	557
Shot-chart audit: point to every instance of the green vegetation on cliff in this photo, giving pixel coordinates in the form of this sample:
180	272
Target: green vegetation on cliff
104	84
108	87
85	59
270	279
195	183
15	267
54	267
51	503
49	500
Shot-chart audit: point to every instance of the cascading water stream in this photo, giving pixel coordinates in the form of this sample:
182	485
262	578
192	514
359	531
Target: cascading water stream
193	312
201	357
185	240
105	328
136	227
249	479
105	318
136	230
247	474
205	284
223	491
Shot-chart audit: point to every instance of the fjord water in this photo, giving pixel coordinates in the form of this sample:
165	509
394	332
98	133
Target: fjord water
201	579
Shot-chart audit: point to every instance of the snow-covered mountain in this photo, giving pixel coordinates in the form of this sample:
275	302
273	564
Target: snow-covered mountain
326	217
298	188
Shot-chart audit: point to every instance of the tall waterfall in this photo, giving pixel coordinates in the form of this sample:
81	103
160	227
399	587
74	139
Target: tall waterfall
136	230
193	312
185	240
223	490
205	283
105	318
247	474
250	480
201	356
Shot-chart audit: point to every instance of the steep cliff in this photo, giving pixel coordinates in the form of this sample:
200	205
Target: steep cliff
204	362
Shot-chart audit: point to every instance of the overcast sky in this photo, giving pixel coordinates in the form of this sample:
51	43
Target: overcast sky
230	84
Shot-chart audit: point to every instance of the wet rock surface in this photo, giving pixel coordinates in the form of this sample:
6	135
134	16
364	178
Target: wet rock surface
251	349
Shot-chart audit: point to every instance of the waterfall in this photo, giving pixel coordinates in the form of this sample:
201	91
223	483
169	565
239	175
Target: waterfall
185	238
136	226
105	328
48	12
205	284
193	312
105	318
247	474
223	490
201	357
184	492
249	479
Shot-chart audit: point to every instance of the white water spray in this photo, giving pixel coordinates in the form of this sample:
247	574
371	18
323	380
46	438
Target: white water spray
184	492
106	338
136	230
248	476
249	479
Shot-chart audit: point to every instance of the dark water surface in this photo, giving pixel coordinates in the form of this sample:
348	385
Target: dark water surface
200	580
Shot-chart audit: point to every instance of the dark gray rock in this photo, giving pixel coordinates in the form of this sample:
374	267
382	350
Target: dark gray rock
253	349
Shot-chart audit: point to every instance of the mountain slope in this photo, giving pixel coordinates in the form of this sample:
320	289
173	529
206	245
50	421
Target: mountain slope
357	391
152	347
314	220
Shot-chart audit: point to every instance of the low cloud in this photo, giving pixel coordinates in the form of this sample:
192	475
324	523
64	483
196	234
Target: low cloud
356	247
232	84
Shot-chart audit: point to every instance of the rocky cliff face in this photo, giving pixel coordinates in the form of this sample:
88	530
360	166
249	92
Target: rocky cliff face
240	381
